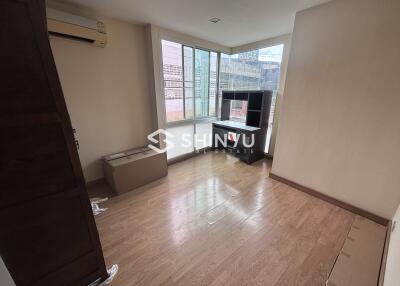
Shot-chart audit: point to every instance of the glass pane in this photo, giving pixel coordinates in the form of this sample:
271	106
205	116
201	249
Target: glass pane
213	83
202	77
238	110
203	135
180	140
225	73
270	122
273	57
188	81
188	101
174	103
173	80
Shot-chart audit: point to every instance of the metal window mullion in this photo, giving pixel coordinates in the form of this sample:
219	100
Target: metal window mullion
217	85
183	80
194	95
209	81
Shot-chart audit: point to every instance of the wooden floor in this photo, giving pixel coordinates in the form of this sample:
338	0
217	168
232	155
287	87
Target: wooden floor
217	221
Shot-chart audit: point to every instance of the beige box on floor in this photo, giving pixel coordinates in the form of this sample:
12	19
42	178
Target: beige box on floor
358	263
131	169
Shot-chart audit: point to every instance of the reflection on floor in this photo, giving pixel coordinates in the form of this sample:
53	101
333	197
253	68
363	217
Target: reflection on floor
217	221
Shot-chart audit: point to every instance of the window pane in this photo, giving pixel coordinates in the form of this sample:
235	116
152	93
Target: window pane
202	77
254	70
273	58
174	103
238	110
181	140
203	134
188	101
213	83
173	80
188	81
270	122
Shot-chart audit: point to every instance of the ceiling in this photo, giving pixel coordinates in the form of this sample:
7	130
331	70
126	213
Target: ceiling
242	21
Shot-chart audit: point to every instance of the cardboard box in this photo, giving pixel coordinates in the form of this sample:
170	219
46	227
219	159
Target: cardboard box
131	169
359	262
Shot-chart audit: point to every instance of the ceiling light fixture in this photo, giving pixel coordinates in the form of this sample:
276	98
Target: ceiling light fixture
214	20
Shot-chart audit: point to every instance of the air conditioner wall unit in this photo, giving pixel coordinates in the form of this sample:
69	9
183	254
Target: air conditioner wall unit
76	27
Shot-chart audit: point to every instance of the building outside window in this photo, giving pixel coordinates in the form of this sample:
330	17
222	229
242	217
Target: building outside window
254	70
173	80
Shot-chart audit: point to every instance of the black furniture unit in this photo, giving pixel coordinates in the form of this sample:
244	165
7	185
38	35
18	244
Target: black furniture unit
253	130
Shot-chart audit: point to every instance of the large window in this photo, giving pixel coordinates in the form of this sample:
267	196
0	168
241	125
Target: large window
254	70
194	79
190	89
190	81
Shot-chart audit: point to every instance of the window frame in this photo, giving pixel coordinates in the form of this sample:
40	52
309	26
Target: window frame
194	119
196	44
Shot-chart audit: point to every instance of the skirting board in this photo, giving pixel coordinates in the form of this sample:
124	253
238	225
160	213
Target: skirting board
95	182
346	206
188	155
269	157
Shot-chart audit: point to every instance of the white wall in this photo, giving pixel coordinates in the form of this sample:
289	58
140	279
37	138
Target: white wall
392	273
339	131
107	92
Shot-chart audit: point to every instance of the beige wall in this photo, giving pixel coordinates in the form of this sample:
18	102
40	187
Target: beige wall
339	131
107	92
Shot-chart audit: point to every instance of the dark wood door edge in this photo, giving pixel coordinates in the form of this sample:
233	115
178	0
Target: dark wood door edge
346	206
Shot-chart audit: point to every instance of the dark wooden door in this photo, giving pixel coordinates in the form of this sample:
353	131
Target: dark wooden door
48	235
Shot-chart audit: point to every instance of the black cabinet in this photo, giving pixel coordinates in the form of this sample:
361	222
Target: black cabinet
246	139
